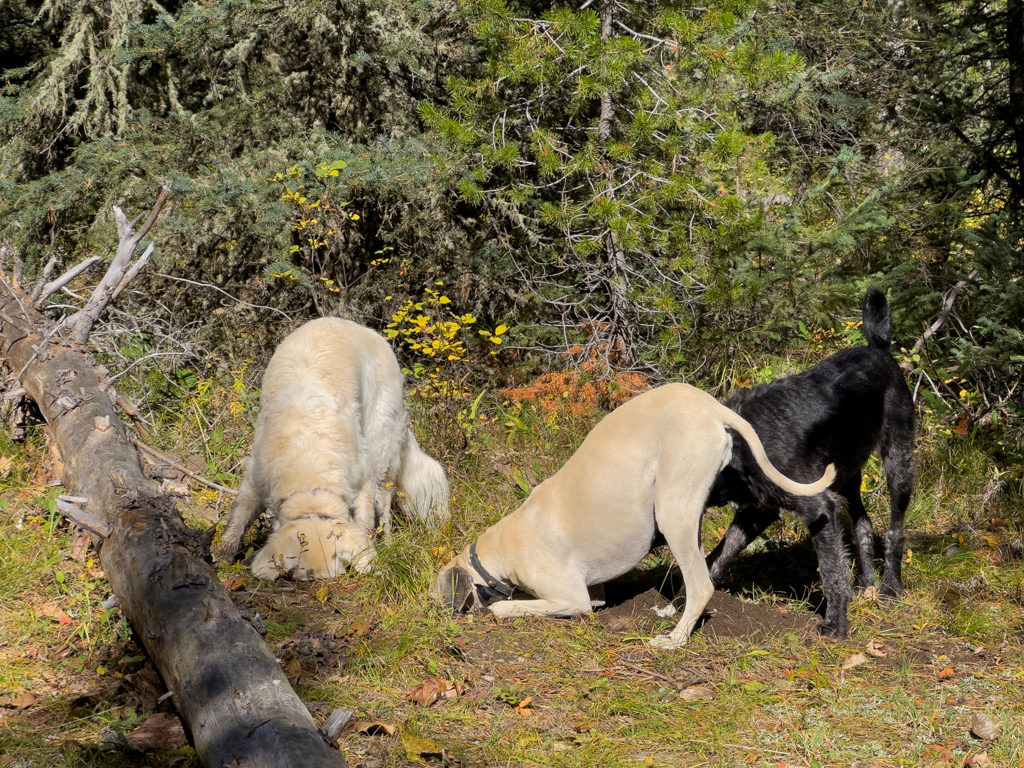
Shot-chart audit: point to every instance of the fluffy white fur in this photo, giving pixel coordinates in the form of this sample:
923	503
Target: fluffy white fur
332	440
647	465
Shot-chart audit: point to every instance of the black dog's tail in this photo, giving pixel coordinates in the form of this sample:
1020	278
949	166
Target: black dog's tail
877	320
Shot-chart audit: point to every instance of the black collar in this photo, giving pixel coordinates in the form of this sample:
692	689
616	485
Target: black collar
495	587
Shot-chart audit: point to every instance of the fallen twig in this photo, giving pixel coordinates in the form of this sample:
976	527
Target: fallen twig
182	468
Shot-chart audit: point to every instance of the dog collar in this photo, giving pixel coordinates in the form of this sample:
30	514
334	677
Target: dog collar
494	587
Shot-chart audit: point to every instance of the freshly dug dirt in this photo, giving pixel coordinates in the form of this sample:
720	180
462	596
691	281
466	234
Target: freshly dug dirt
732	617
728	616
635	615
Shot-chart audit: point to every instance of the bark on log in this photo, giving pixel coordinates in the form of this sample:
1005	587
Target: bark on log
233	696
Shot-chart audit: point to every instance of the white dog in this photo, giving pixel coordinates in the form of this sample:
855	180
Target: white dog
647	466
332	440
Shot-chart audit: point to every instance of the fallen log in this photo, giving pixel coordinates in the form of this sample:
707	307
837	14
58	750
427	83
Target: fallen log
233	696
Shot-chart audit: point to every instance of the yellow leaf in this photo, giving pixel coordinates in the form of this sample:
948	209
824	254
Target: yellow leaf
495	340
354	217
500	330
444	300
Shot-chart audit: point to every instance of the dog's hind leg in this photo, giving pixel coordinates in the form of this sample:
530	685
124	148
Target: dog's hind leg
749	523
898	460
863	533
820	515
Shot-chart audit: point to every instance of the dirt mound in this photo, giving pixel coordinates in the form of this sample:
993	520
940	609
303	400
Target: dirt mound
731	617
728	616
634	615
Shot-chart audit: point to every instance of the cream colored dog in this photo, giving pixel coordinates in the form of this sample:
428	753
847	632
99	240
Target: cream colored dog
647	465
332	440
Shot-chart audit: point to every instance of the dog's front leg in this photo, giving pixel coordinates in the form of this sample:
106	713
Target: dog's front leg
561	607
246	507
562	595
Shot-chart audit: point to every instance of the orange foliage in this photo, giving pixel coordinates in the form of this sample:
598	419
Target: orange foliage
581	391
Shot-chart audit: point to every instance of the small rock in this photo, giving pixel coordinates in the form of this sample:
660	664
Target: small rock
697	693
981	760
108	736
111	602
951	550
666	612
983	727
559	746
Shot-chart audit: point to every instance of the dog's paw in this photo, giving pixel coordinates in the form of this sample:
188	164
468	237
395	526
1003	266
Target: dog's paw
667	643
832	633
891	591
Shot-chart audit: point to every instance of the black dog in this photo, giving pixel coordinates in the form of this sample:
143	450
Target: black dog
838	411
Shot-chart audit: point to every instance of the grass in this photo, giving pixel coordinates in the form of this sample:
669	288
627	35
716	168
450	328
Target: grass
577	692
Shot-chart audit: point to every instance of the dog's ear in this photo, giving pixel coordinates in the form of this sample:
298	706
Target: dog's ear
456	590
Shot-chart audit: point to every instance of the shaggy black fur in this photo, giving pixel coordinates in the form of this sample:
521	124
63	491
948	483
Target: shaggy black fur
838	411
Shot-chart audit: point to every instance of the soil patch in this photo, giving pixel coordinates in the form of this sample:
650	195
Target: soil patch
732	617
728	616
634	615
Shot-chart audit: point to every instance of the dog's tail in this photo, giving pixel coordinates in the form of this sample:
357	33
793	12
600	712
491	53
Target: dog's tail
877	320
741	425
424	483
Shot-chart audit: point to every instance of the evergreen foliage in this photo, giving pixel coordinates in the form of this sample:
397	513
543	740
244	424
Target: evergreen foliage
668	186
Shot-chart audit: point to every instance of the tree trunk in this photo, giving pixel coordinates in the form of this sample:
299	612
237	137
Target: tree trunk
1015	63
232	694
618	281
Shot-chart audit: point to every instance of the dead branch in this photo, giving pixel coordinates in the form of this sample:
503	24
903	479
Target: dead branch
182	468
133	272
83	519
43	278
84	320
132	410
947	307
51	288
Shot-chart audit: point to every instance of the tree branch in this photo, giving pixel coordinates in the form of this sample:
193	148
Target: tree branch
51	288
947	307
182	468
84	520
42	279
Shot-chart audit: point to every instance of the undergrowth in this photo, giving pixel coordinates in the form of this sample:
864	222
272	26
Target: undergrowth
580	692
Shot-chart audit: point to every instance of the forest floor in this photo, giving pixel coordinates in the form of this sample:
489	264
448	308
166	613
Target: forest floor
755	686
